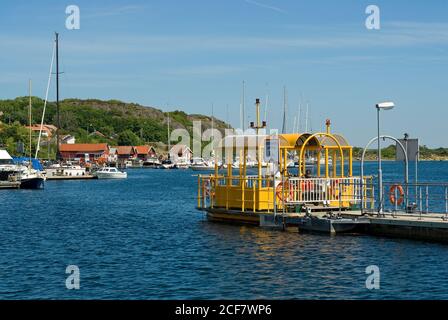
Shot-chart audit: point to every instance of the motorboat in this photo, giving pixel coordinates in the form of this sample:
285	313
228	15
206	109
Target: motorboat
168	164
110	173
199	164
151	162
133	164
29	177
183	164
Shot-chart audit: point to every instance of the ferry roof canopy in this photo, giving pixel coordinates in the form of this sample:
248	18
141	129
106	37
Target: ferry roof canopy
290	140
242	141
296	140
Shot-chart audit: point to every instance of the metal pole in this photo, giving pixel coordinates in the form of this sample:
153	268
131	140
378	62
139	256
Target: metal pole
58	156
416	171
380	171
446	202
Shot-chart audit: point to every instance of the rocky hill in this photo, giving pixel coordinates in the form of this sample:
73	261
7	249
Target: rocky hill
93	120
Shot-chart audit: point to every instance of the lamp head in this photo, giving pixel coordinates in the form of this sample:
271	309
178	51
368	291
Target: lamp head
385	105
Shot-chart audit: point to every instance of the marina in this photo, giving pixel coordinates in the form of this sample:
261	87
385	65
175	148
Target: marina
226	159
107	241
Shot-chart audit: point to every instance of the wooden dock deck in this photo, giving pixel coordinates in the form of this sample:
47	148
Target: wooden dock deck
85	177
9	184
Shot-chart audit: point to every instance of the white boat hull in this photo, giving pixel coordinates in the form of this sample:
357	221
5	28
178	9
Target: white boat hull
111	175
202	168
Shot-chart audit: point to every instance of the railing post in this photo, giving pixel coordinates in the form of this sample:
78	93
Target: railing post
243	198
212	184
396	199
446	202
227	191
421	199
275	197
199	191
427	199
254	194
340	198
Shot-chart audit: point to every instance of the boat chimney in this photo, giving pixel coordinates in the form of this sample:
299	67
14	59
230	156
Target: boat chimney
328	124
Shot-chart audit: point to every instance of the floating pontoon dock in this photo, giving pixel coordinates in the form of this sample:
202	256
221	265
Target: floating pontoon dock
330	199
66	177
9	184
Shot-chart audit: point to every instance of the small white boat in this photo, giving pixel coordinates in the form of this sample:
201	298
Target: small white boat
110	173
182	164
133	164
167	164
199	164
152	162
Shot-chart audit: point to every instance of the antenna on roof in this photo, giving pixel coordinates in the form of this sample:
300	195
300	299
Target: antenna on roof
284	127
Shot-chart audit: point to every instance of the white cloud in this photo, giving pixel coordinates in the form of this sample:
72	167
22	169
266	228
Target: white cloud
392	35
265	6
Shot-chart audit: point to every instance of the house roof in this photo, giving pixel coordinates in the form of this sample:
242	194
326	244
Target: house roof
84	147
51	127
143	149
180	148
46	127
124	150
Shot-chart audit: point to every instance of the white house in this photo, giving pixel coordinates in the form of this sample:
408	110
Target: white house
181	153
68	139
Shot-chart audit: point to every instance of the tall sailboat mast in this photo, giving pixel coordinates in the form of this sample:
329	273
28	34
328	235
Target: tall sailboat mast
30	123
306	117
58	156
213	122
243	106
284	110
266	103
169	142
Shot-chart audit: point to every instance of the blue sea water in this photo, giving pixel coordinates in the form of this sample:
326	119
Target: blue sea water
142	238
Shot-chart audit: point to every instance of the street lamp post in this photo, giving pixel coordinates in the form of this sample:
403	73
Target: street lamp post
379	107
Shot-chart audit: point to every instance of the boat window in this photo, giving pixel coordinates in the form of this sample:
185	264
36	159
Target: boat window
5	161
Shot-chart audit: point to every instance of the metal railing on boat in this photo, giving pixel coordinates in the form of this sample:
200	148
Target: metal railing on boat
244	192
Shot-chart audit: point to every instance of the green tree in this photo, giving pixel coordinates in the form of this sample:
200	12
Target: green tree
128	138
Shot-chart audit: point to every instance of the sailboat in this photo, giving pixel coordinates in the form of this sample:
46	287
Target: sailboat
31	177
168	163
201	164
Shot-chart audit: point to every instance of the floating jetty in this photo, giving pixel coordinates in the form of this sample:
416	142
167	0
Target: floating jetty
428	227
9	184
325	198
84	177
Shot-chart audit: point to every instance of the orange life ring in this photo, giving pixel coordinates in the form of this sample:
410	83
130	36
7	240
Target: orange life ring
392	191
279	191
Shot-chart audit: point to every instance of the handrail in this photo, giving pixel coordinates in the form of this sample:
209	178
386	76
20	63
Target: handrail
345	191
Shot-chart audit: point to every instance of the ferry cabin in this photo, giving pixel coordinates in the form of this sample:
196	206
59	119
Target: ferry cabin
282	187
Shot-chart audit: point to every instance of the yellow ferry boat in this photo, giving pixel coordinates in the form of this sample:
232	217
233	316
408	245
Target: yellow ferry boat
281	194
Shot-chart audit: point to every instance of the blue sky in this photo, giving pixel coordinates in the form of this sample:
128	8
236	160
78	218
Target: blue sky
189	54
